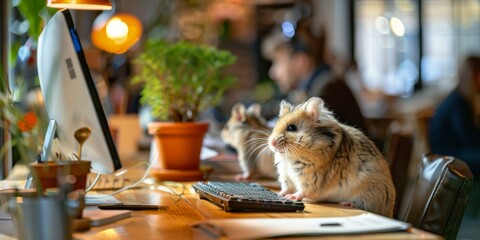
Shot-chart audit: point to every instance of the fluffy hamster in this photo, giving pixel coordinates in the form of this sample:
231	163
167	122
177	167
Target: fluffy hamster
248	132
320	159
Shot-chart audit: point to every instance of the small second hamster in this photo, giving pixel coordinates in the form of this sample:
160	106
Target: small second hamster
320	159
247	131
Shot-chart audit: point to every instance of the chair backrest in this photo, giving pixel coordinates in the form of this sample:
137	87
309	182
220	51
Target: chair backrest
439	195
398	150
398	155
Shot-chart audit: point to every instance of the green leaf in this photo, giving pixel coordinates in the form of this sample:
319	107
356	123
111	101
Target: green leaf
12	58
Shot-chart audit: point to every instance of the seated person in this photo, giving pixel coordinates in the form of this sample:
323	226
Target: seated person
300	72
455	128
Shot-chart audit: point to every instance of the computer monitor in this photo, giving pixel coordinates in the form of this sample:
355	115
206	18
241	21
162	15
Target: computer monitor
70	95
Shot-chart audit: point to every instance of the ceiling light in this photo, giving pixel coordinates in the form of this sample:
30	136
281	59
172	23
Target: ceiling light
116	33
397	26
80	4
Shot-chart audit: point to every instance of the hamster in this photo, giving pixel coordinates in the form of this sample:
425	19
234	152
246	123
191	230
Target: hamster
320	159
248	132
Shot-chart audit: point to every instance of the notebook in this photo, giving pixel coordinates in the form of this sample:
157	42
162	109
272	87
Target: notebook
101	217
254	228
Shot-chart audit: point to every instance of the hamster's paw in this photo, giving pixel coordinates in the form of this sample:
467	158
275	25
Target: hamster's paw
298	196
348	204
284	192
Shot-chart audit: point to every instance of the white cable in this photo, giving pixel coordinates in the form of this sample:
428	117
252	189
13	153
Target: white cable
153	156
118	174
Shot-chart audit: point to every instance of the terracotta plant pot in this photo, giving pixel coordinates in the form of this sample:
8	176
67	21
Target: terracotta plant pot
48	172
179	146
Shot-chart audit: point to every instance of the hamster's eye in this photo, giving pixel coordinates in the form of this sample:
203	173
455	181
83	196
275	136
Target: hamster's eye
292	128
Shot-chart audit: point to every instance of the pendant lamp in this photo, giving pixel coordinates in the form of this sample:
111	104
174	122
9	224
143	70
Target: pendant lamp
116	32
80	4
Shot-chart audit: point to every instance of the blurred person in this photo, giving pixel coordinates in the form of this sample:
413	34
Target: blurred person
455	127
300	71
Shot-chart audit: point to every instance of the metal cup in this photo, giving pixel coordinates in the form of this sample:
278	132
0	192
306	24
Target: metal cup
41	218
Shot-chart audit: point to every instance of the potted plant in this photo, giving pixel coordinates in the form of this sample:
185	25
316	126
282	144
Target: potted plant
23	126
48	173
180	81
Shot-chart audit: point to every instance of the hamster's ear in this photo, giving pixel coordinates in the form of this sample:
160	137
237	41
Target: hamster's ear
285	107
238	112
313	107
255	109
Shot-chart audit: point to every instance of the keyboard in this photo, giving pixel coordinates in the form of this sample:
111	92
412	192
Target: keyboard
108	182
245	197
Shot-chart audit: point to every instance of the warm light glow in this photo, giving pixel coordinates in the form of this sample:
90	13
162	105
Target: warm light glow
117	29
406	6
80	4
110	233
116	34
149	181
397	26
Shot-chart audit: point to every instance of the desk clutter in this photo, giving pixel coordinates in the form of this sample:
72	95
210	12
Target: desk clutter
186	216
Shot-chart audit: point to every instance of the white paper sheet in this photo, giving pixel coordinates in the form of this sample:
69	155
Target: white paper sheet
207	153
254	228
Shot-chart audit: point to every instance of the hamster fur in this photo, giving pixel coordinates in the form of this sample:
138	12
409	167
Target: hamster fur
320	159
247	132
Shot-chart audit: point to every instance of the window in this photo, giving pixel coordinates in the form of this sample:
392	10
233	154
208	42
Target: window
389	42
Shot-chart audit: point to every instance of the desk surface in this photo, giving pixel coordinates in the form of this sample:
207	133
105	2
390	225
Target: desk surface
185	208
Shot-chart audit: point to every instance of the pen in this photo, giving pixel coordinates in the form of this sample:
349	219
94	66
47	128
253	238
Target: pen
132	207
332	224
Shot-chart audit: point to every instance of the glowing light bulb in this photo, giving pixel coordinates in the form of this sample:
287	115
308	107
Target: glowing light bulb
117	29
397	26
117	33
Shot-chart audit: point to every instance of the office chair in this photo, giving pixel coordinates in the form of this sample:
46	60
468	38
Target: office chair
439	195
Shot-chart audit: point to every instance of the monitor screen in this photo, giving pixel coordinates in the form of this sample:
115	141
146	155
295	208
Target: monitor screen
70	95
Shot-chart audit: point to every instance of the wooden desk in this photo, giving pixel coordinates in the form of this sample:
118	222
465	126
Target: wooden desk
185	208
188	208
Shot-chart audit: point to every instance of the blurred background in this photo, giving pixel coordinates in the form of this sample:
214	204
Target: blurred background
399	57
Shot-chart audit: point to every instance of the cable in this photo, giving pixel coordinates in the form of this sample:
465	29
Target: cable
153	155
118	174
